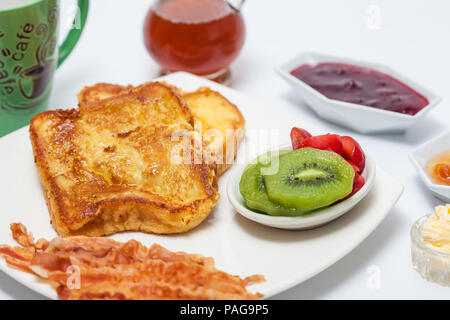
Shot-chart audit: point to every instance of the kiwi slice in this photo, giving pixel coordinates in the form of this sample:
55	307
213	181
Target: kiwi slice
310	179
266	159
254	192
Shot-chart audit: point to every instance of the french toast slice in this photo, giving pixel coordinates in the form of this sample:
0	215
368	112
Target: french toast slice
220	121
126	163
222	125
100	91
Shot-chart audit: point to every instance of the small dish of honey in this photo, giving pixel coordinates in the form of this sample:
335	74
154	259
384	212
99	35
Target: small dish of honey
438	168
432	161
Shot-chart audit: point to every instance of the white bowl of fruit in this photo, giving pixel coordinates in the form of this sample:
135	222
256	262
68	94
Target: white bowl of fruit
304	185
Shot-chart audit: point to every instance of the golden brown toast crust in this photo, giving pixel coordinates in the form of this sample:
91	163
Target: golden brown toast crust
215	113
222	124
101	91
109	168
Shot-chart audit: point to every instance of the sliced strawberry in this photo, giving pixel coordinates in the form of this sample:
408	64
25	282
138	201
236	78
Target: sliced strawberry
353	152
354	166
358	183
331	142
358	180
297	137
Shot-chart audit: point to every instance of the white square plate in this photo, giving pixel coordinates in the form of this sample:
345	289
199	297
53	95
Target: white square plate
239	246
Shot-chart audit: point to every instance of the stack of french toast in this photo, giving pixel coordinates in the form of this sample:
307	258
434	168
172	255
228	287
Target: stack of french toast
143	158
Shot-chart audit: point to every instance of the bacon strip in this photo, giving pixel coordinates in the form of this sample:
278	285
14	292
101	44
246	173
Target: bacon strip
101	268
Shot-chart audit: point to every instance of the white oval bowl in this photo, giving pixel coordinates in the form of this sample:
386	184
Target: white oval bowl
309	221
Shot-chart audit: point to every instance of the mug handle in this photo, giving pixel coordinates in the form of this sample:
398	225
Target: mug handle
74	34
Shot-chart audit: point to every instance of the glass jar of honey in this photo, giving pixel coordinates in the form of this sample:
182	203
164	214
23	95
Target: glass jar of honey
202	37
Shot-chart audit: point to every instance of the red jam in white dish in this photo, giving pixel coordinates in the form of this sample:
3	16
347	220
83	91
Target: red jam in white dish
361	85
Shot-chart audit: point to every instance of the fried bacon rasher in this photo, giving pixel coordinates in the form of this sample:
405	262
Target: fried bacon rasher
101	268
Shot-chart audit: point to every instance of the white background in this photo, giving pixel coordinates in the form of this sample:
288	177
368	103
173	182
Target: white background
413	38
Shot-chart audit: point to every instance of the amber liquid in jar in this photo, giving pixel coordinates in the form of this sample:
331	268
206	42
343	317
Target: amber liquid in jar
198	36
438	168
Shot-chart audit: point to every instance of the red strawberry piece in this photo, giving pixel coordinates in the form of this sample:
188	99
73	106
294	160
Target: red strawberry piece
353	152
354	166
331	142
297	137
358	183
358	180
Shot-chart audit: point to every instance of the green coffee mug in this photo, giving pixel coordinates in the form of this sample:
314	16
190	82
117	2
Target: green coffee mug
29	56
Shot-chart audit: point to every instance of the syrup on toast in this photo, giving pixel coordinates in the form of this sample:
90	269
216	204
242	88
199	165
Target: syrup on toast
220	121
116	166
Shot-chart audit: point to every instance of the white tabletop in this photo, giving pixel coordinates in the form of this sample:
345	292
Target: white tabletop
411	36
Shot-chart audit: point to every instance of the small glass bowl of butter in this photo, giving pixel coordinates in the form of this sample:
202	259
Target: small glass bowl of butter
430	246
